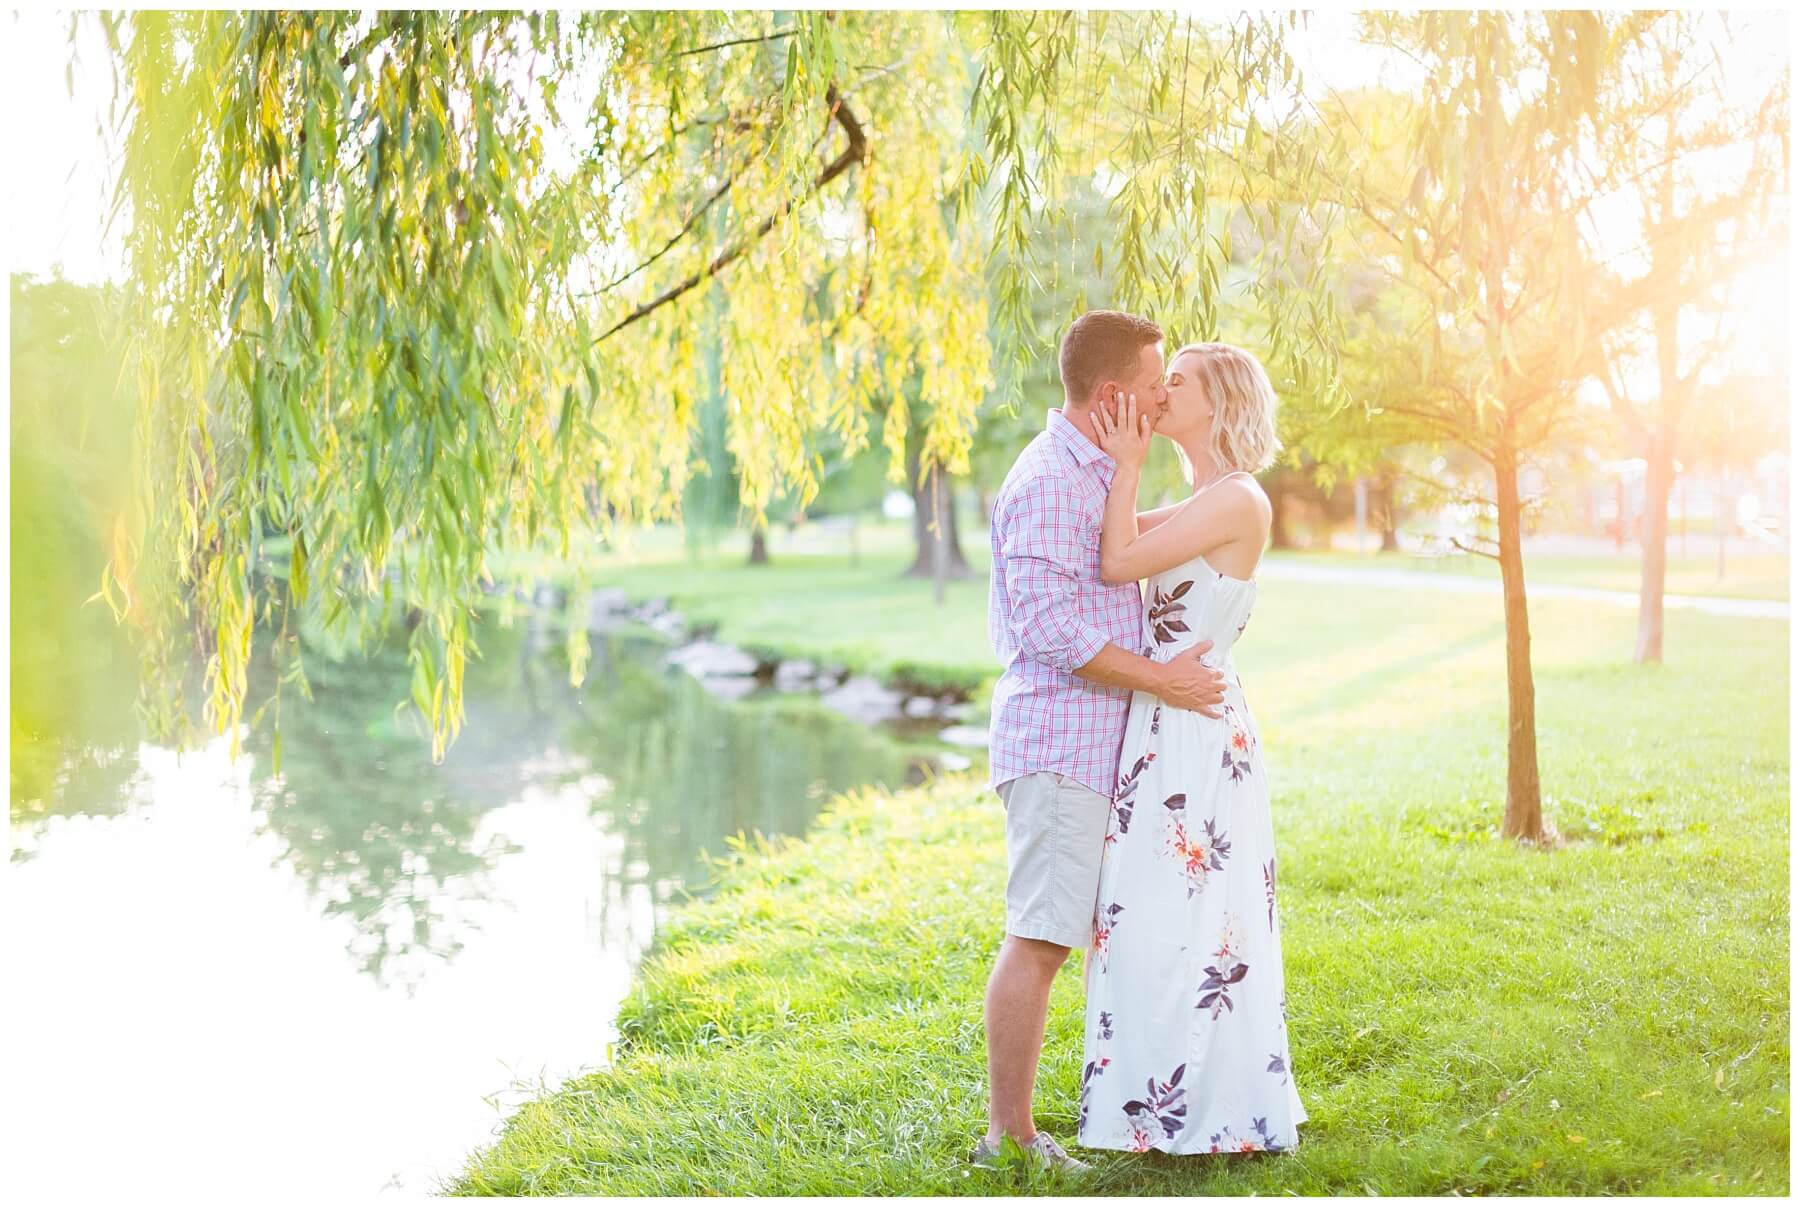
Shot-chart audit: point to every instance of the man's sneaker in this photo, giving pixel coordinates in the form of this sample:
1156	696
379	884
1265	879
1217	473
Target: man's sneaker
1042	1151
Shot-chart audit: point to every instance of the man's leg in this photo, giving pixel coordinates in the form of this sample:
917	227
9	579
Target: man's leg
1018	999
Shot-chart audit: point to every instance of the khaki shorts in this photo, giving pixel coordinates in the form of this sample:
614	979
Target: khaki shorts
1055	829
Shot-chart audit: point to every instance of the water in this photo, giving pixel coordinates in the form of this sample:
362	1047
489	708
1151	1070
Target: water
337	981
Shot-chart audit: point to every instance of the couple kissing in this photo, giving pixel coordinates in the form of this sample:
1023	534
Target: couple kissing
1128	763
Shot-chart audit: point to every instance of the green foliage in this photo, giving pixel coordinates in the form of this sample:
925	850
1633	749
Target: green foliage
381	316
71	456
1165	118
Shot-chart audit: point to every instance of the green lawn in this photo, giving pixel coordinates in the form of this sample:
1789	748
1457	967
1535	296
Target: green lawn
1609	1017
812	601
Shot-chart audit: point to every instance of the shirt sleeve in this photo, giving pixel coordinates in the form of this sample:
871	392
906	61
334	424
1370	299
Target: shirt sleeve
1042	538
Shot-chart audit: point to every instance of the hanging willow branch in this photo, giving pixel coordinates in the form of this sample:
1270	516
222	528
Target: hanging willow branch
371	349
855	153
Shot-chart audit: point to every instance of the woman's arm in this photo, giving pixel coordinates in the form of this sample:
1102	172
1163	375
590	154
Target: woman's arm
1198	525
1213	518
1127	442
1146	520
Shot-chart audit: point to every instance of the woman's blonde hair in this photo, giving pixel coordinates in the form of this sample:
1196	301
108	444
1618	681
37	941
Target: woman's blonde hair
1243	429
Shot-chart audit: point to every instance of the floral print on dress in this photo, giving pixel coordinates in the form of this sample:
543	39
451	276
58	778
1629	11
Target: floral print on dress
1162	1106
1238	747
1094	1068
1223	1141
1166	614
1278	1064
1198	853
1190	993
1104	921
1119	819
1226	970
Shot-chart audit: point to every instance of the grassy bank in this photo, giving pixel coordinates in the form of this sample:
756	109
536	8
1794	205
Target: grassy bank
828	598
1608	1017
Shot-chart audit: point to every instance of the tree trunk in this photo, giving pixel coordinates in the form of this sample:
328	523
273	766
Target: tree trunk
946	535
1524	800
759	547
1683	497
1719	523
1659	477
1276	489
1619	522
1385	509
934	527
1659	463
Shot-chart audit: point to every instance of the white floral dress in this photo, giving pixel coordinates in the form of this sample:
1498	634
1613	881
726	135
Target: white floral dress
1186	1037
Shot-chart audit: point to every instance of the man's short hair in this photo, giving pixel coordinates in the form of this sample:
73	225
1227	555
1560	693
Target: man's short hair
1103	344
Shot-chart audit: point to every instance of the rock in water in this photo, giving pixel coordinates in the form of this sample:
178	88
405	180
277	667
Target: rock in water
711	660
863	698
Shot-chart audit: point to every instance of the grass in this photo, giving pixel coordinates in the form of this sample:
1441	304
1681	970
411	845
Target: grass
813	602
1467	1016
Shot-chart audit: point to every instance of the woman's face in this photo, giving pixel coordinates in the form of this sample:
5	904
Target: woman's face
1189	409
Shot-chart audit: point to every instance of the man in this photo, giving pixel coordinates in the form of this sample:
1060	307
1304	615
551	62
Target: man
1072	648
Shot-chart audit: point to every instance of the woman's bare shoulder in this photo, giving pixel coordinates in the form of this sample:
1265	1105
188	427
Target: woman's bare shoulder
1249	495
1245	488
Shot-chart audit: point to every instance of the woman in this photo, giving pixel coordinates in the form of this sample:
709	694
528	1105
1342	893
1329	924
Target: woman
1187	1047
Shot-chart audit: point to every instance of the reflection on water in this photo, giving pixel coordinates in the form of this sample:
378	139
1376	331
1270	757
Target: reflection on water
344	971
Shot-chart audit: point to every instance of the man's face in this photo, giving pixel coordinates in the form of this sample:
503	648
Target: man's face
1147	384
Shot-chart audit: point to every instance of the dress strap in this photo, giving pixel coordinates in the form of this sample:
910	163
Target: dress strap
1222	477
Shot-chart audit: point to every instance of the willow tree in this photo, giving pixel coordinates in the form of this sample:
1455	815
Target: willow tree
411	287
1469	201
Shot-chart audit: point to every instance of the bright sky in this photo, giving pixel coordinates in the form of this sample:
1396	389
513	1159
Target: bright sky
56	191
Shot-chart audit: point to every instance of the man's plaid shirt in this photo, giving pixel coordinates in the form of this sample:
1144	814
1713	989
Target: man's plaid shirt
1048	613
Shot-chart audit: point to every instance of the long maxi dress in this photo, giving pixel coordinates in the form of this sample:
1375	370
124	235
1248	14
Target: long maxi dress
1186	1046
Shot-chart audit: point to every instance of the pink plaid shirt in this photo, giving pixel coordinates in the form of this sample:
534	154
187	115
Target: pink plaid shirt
1048	613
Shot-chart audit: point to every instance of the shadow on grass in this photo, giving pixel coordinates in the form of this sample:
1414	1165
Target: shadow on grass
1349	693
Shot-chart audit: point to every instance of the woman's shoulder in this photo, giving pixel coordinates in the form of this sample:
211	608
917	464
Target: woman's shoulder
1248	498
1240	488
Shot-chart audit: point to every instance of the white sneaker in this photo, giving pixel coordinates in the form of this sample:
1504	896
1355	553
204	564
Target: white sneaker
1042	1152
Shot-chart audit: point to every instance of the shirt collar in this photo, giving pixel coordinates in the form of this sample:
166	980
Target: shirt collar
1084	450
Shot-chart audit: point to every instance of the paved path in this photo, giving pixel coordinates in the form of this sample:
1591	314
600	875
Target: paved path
1430	580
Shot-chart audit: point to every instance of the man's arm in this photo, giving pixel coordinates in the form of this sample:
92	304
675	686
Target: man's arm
1041	537
1185	683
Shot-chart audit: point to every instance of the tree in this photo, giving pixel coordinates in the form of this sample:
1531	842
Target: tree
1698	174
1484	316
384	316
71	668
377	318
1746	417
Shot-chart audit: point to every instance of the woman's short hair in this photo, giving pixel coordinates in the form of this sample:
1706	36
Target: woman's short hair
1243	431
